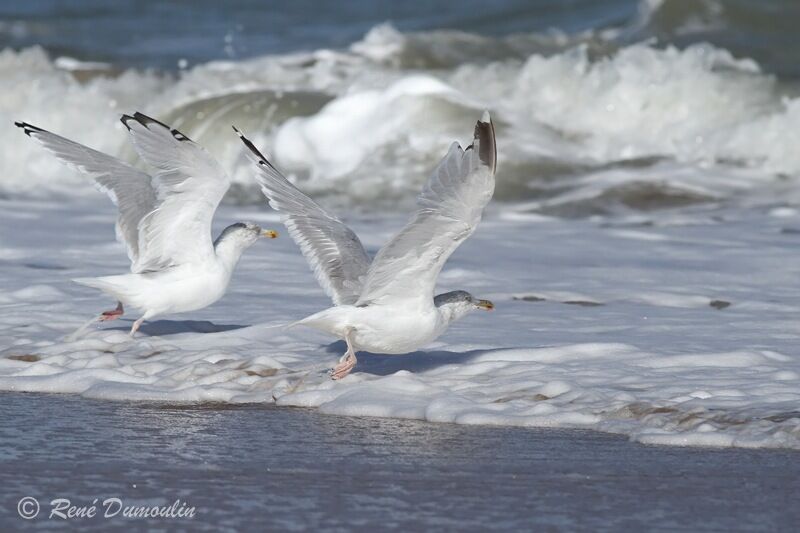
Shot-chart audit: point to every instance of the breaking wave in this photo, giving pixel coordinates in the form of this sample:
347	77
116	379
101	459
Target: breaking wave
586	124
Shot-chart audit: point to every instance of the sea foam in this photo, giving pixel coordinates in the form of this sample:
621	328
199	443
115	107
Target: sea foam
675	342
364	125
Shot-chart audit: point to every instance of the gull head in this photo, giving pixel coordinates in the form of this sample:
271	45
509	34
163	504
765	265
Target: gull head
242	235
455	304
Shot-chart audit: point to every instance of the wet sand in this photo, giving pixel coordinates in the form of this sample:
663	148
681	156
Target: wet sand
271	468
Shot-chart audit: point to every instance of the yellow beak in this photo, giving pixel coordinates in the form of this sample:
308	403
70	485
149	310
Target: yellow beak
272	234
485	304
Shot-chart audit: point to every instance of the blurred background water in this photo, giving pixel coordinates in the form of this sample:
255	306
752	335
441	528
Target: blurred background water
160	34
602	107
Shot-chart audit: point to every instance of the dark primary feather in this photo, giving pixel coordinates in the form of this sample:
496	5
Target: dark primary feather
144	120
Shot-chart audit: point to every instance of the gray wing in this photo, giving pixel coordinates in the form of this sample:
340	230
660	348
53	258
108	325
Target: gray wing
189	184
333	251
130	189
450	208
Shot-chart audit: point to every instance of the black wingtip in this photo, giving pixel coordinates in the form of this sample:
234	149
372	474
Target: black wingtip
487	143
125	119
146	121
262	160
28	129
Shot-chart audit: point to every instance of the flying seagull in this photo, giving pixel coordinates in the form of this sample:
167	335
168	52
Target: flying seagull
164	219
387	305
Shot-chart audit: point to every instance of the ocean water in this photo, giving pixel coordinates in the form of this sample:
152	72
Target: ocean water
640	248
600	107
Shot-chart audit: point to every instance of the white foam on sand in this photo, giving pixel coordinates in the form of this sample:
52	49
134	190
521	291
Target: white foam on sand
673	333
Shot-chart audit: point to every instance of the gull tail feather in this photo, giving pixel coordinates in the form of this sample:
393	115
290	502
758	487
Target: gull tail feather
106	286
322	320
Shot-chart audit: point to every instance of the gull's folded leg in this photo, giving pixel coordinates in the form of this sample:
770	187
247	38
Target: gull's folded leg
136	325
348	361
113	314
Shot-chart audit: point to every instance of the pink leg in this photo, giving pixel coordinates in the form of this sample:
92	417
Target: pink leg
348	360
136	325
113	314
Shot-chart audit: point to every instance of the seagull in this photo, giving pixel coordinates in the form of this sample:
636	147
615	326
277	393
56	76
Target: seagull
387	305
164	219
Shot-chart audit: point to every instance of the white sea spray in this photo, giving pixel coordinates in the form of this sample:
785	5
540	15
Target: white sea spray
340	121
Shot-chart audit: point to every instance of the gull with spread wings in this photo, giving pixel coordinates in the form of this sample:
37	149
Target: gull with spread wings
164	219
387	305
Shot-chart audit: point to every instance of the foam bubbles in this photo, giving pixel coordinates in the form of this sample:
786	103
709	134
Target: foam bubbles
645	354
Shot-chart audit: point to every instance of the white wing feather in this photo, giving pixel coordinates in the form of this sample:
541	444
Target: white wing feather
333	250
189	186
130	189
450	208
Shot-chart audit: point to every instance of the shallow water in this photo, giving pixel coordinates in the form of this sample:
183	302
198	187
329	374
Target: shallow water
290	469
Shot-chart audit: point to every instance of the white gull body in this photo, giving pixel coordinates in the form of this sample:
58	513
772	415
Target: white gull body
164	219
387	305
